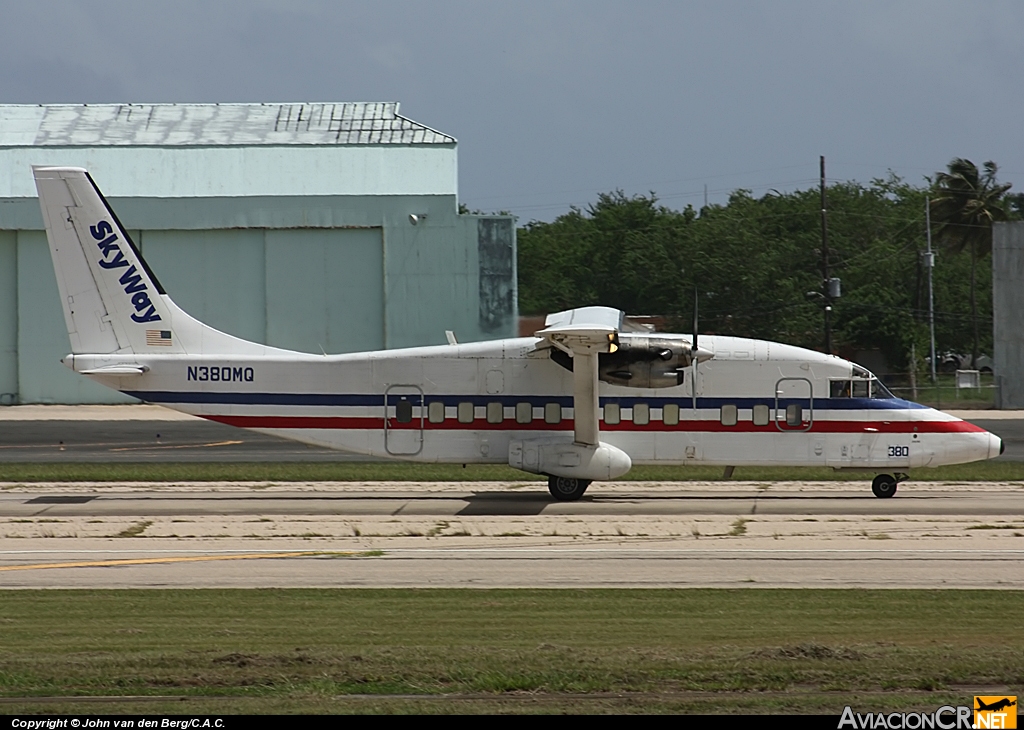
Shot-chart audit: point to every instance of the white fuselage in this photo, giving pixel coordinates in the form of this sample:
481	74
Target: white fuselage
744	402
754	403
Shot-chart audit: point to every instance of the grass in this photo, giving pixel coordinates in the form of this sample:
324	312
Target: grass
739	527
752	650
403	471
135	530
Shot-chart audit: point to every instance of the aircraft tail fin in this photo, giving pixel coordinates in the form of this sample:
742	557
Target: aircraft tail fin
112	300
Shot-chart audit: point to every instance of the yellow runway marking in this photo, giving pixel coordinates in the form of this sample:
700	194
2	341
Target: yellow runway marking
62	447
180	446
179	559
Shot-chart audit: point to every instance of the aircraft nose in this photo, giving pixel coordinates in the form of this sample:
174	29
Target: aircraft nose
970	446
996	446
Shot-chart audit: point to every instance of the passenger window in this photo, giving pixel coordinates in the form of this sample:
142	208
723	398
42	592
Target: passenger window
670	414
794	414
465	412
761	415
403	411
552	413
495	413
730	414
524	412
435	412
641	414
612	414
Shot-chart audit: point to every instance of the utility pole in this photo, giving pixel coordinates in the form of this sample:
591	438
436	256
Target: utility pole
929	261
831	287
826	287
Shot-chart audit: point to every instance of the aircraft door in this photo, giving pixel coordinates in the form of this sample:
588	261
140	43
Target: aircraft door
403	420
794	406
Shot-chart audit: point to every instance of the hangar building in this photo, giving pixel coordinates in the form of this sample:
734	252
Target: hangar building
328	227
1007	304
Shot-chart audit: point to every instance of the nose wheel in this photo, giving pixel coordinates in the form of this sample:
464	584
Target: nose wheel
884	485
567	489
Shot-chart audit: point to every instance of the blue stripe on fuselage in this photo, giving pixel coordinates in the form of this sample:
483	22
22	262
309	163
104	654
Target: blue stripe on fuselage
375	399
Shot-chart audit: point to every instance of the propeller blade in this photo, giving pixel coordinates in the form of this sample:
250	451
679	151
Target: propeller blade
693	351
695	319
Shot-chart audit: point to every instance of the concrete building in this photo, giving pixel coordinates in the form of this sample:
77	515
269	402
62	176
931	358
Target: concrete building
1007	304
318	227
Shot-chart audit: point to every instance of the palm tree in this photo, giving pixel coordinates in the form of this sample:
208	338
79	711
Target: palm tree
965	205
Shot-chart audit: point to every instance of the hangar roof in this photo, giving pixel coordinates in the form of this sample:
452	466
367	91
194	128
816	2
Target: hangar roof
202	125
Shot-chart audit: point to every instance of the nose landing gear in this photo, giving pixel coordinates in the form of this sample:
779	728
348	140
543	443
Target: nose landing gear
884	485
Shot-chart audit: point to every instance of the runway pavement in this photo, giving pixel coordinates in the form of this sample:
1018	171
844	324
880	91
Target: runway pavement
510	535
509	499
638	534
194	440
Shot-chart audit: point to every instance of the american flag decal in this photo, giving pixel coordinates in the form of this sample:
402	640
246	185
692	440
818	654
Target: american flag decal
158	338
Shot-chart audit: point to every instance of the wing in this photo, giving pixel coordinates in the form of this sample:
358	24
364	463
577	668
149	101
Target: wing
584	334
588	329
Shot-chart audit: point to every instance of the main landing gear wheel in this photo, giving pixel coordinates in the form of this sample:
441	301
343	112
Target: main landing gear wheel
884	485
567	489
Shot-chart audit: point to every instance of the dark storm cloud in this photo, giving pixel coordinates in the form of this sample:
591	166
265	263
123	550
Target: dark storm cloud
553	102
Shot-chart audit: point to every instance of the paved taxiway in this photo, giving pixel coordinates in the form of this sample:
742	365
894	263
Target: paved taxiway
475	535
106	434
509	535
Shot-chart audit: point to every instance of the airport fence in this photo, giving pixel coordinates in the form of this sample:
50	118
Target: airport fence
950	391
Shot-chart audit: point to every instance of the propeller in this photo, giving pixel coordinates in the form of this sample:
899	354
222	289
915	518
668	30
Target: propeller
694	350
694	346
697	355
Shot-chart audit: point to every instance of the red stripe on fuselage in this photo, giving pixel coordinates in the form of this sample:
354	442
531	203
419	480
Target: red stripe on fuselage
365	423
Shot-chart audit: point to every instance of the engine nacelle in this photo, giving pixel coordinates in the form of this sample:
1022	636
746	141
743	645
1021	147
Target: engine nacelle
646	362
640	361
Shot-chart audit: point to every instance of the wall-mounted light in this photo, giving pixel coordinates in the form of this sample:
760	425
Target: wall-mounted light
415	218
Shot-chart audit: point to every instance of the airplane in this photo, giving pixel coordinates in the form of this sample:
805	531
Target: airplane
582	400
996	706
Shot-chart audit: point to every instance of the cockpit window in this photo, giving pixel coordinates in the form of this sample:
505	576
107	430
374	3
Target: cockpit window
858	388
880	391
839	389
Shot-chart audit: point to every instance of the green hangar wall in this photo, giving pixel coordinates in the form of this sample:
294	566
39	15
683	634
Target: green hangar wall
314	227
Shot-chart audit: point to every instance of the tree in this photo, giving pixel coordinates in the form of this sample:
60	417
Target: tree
965	206
752	260
1015	203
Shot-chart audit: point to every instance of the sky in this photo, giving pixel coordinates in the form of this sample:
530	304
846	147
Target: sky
556	102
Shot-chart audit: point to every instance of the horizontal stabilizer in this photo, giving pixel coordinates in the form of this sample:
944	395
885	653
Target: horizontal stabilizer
117	370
